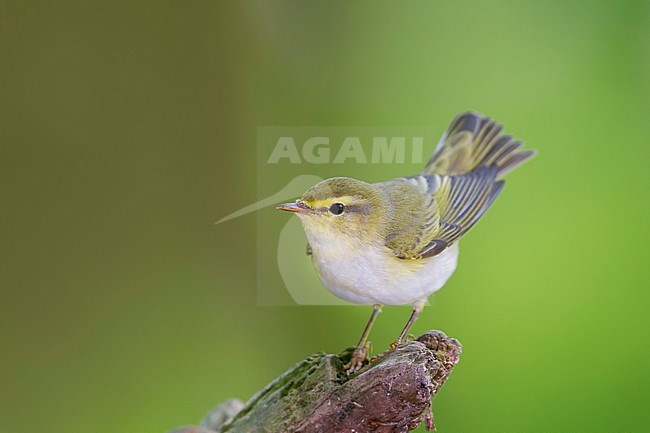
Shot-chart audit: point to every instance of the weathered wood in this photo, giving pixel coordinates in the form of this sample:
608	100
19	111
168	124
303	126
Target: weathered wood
391	394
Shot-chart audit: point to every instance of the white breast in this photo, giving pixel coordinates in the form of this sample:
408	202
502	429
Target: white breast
373	275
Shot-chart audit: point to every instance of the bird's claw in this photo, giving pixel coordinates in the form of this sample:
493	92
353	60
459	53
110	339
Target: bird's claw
359	357
409	338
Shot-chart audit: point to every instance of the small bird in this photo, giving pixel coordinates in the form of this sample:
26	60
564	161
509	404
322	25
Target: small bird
396	242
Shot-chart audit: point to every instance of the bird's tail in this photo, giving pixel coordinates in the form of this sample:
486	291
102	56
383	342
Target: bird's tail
473	141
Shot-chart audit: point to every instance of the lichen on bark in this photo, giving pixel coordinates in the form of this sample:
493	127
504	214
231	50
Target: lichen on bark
391	394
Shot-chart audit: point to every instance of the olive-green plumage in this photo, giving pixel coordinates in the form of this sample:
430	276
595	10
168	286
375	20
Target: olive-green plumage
422	215
395	242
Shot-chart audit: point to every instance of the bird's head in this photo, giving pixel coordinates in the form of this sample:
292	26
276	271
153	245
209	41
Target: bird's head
339	206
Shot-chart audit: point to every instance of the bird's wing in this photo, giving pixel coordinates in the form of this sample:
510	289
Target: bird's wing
449	207
472	141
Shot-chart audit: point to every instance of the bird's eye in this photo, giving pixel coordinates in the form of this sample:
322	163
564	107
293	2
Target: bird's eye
337	208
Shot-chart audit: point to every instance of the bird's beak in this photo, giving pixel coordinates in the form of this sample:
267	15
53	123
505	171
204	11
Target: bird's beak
293	207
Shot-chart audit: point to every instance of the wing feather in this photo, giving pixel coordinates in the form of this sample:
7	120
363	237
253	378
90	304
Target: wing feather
449	211
473	141
458	185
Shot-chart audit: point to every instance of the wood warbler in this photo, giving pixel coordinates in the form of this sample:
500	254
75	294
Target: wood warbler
396	242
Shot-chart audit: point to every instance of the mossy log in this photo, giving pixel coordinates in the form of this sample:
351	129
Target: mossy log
392	393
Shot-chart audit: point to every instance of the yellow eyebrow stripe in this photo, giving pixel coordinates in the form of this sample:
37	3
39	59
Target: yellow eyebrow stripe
346	200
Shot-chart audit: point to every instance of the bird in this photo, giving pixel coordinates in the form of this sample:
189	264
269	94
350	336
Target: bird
396	242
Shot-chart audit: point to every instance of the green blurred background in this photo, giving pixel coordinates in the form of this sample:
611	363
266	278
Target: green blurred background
128	128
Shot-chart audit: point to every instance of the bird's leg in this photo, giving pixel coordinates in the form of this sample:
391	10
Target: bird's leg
361	351
417	309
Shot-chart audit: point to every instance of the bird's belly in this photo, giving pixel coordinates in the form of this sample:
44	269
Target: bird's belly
374	277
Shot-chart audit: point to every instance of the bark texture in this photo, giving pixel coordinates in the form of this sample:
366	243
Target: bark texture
391	394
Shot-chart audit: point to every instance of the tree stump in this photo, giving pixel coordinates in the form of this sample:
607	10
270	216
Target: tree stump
391	394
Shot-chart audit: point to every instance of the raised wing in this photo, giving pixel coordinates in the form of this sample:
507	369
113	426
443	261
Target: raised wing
473	141
457	186
450	207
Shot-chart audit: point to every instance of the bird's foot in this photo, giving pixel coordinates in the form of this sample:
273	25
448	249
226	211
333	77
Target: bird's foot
409	338
359	357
